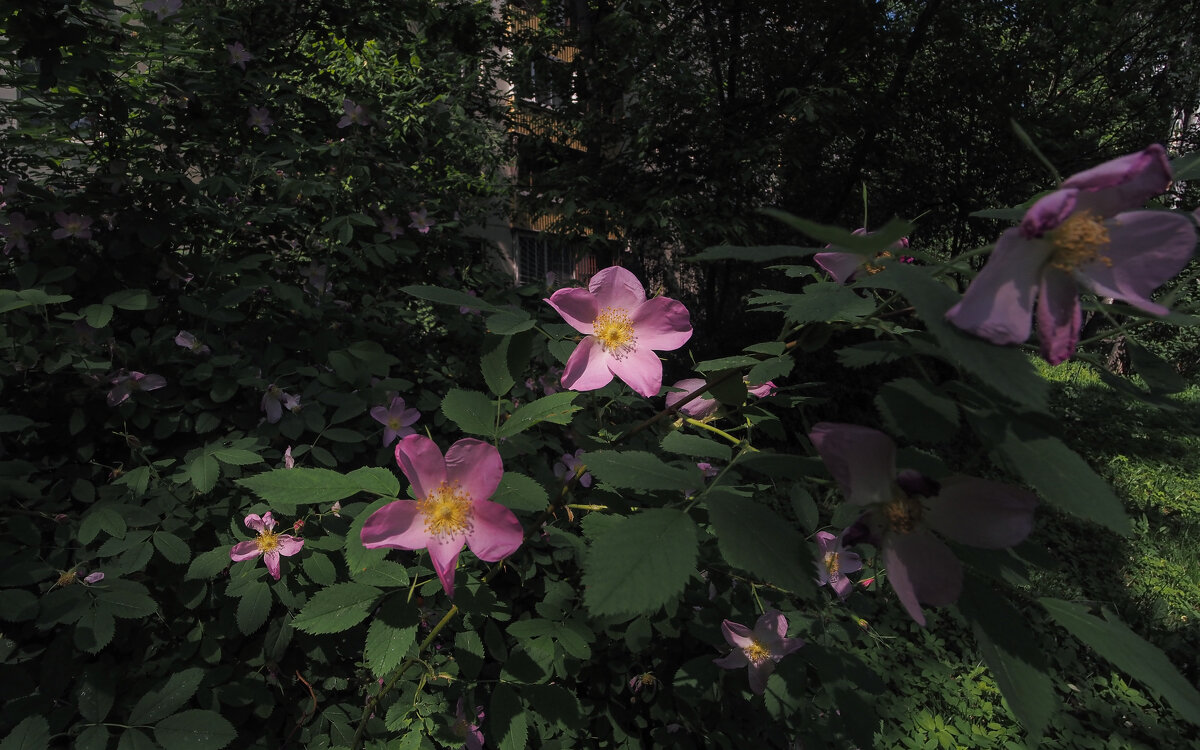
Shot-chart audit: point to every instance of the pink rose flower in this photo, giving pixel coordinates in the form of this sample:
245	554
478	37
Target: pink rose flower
834	562
268	544
420	220
396	420
260	118
126	383
451	509
72	225
356	114
238	54
844	266
623	330
1079	235
16	231
758	650
699	407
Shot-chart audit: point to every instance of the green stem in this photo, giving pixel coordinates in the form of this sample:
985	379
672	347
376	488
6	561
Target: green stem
717	431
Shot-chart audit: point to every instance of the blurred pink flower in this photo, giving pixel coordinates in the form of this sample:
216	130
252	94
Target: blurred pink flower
1079	235
834	562
468	730
15	232
126	383
72	225
758	650
465	309
390	226
420	220
239	55
268	544
191	343
396	420
760	391
708	470
623	330
565	467
451	509
272	403
260	118
699	407
844	266
356	114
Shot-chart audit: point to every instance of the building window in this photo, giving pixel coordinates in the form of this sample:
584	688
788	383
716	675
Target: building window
539	253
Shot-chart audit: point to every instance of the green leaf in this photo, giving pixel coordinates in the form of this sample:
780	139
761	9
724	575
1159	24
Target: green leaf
556	704
94	737
507	721
358	557
915	409
1145	662
639	470
844	239
95	629
1061	476
195	729
319	568
160	703
33	733
135	739
826	301
97	316
695	446
236	456
172	547
125	598
132	299
508	322
391	634
101	518
519	492
337	608
253	607
726	363
872	353
555	408
1186	167
494	364
760	254
758	540
769	369
208	564
96	694
640	563
385	573
284	489
445	296
472	411
1158	374
375	480
204	471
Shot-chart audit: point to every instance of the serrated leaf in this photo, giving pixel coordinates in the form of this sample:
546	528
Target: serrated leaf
640	563
757	254
96	694
726	363
136	739
472	411
844	239
284	489
97	316
507	722
640	470
101	518
384	573
555	408
95	629
519	492
195	729
1186	167
172	547
871	353
769	369
132	299
160	703
208	564
375	480
494	364
508	322
756	539
1160	376
94	737
390	635
125	598
358	557
253	607
319	568
1062	477
915	409
445	296
337	608
695	446
557	705
237	456
33	733
1145	662
203	472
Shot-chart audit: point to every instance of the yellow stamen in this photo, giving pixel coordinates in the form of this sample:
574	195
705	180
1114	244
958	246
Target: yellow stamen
872	268
66	579
1078	240
267	541
394	423
756	652
902	512
613	328
831	563
447	510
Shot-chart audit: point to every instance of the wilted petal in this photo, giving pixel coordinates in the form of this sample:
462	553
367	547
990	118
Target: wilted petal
840	265
982	513
1058	316
922	569
1122	183
577	306
617	287
397	524
640	369
1146	248
587	367
663	324
495	532
998	306
1047	213
444	555
862	460
421	462
244	551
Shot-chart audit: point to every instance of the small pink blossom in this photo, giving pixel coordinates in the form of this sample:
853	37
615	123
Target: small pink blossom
467	730
1081	235
420	220
16	231
336	509
356	114
844	266
834	562
93	577
191	343
566	467
268	543
760	391
239	55
289	461
397	421
700	407
451	509
273	402
126	383
622	331
708	470
291	403
390	225
758	650
260	118
72	225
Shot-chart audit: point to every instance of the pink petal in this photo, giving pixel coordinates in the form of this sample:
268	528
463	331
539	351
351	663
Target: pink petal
577	306
922	569
587	367
734	659
616	287
841	266
273	409
826	541
841	586
257	523
289	545
380	414
998	306
662	324
268	520
759	674
444	555
1058	315
476	466
1047	213
1146	248
771	629
849	562
641	369
981	513
862	460
698	407
244	551
152	382
397	524
421	462
786	646
1123	183
736	634
272	560
495	532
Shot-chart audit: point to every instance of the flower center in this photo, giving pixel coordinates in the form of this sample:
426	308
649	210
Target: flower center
832	564
756	652
67	578
267	541
394	423
902	512
613	328
873	268
447	510
1078	240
